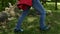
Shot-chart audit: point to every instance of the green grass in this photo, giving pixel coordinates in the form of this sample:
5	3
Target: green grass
31	24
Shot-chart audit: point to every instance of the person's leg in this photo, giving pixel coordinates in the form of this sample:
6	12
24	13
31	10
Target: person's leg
38	6
18	26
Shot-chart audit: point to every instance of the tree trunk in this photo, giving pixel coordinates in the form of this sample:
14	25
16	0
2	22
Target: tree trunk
56	5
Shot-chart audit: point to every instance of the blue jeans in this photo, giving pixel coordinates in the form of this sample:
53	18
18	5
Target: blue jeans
38	6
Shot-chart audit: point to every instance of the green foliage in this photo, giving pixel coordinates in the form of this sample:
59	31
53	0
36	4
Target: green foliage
32	12
4	3
31	25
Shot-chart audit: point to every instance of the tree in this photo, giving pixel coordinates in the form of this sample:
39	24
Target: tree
56	5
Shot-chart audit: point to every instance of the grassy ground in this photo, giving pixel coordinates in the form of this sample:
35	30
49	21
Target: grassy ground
31	25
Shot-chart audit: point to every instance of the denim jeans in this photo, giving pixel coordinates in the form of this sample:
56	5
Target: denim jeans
38	6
